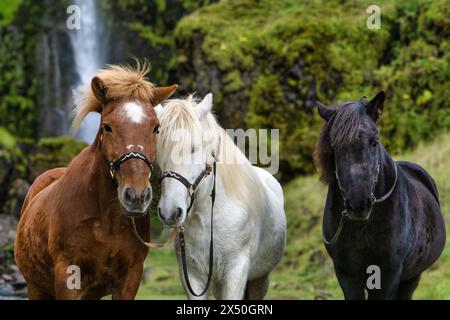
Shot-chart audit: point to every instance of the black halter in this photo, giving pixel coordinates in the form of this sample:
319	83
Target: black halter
373	199
115	165
190	186
191	189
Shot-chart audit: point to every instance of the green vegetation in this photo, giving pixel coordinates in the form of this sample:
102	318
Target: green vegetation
266	63
55	152
7	10
306	271
273	59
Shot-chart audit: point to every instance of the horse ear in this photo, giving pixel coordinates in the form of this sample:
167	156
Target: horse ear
376	105
205	105
325	112
99	89
162	93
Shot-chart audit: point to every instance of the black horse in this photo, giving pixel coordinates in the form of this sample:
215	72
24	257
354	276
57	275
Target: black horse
378	212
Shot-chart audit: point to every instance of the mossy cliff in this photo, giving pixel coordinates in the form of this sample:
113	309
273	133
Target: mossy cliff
268	61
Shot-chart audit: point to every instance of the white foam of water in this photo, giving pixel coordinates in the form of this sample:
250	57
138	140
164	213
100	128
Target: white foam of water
88	55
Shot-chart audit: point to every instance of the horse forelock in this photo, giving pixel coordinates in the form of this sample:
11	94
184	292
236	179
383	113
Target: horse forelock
178	117
121	82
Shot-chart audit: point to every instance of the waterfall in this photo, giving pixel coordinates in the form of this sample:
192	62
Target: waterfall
89	52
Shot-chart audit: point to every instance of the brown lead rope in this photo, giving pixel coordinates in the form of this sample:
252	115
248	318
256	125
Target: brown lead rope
211	246
151	244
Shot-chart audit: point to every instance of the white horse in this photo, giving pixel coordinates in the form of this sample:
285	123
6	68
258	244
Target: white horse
249	219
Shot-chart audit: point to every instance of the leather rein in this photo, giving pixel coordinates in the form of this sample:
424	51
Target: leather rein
374	200
191	189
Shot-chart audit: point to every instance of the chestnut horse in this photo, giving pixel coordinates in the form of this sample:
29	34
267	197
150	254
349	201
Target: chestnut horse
75	220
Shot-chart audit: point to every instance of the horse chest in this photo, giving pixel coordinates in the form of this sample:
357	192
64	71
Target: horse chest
109	251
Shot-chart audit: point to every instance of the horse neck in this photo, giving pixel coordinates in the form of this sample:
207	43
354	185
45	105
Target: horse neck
386	176
101	184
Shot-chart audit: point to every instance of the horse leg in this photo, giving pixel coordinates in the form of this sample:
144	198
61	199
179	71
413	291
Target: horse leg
352	287
257	289
406	288
236	276
129	285
34	293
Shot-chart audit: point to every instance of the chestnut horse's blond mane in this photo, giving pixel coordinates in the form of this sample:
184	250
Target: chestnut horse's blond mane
120	81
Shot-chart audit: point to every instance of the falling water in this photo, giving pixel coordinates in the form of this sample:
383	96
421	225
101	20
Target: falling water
88	44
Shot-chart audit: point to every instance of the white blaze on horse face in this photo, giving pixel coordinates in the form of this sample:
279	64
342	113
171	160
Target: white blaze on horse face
134	112
132	146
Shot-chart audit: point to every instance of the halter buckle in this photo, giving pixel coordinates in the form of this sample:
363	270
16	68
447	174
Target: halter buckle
112	172
191	190
373	199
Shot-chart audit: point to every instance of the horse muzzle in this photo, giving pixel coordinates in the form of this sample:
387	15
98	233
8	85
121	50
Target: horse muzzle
171	218
135	204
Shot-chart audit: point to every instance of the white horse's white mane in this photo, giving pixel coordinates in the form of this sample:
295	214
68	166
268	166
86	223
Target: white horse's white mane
235	171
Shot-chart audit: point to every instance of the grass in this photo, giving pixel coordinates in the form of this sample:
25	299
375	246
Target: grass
306	271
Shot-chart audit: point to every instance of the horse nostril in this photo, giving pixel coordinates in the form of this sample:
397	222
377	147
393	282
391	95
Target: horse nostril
179	213
145	197
129	195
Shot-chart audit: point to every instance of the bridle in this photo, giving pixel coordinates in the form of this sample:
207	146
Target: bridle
192	187
114	166
373	199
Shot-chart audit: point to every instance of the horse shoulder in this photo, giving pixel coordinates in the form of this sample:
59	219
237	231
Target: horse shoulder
40	183
414	172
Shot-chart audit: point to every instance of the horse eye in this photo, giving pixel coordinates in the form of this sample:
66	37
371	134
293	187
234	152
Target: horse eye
192	149
107	128
156	130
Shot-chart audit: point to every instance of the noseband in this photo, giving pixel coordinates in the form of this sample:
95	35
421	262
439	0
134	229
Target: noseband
190	186
373	200
115	165
191	189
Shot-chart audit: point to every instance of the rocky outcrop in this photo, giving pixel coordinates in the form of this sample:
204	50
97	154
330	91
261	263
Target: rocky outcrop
267	62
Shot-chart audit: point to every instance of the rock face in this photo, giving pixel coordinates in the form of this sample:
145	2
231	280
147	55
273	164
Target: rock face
267	62
12	283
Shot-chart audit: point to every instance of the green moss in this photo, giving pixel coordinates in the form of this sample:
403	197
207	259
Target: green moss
8	9
284	55
55	152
